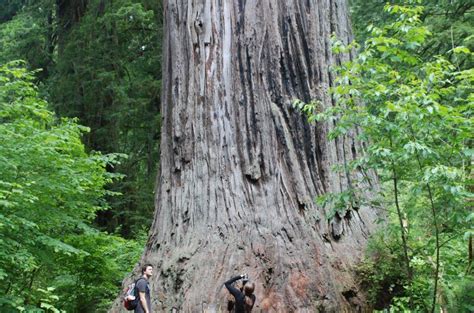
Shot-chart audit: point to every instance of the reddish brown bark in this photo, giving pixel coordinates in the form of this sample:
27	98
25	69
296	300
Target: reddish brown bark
240	168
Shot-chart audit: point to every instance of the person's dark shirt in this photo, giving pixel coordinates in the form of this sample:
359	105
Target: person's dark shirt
238	295
142	286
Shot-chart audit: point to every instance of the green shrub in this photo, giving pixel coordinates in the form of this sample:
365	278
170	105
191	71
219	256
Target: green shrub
50	189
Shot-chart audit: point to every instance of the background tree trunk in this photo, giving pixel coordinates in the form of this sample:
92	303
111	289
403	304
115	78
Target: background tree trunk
69	12
240	168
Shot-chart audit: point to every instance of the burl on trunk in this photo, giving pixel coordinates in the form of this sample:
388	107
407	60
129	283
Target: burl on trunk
240	168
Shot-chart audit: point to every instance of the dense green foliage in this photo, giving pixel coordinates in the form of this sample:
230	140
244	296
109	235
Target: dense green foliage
100	66
101	63
415	116
26	35
452	22
108	75
50	190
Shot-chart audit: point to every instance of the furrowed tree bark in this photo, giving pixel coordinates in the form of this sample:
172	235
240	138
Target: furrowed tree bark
240	168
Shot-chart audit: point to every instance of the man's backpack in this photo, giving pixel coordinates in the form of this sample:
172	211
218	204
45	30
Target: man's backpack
130	296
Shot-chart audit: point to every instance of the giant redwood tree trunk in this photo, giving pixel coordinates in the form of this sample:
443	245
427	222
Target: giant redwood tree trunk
240	168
